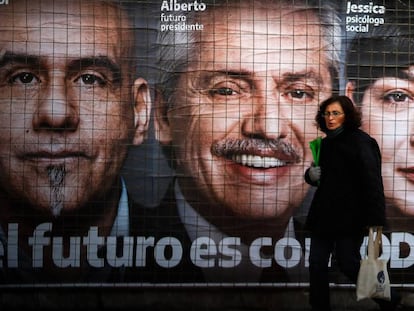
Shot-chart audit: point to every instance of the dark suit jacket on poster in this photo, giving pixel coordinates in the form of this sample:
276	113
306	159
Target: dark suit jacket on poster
164	221
24	273
152	231
161	222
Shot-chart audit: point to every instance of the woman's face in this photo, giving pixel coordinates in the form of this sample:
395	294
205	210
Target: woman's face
334	116
388	114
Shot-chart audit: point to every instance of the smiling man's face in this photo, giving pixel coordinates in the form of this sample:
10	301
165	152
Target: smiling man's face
243	113
65	109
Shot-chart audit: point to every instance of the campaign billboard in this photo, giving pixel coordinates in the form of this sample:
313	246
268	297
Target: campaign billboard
164	143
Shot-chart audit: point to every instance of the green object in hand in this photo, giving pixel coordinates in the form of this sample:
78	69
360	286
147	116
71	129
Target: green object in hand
315	146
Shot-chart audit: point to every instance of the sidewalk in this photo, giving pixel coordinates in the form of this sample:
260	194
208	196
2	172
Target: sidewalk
180	299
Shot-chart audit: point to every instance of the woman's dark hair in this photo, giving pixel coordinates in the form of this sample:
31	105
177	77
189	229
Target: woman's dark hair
352	114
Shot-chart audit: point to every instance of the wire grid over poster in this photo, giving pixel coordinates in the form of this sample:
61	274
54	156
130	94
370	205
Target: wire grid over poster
154	143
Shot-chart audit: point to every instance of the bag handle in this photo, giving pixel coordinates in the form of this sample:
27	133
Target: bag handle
374	245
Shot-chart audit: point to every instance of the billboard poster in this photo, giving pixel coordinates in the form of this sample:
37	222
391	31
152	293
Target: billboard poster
164	143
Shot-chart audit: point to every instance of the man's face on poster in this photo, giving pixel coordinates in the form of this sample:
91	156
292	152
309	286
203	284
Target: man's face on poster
65	110
243	113
387	108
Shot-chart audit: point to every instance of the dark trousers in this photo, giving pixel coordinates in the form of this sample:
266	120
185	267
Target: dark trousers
347	254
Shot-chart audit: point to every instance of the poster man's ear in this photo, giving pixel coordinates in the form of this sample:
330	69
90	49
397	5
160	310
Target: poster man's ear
161	122
349	89
142	110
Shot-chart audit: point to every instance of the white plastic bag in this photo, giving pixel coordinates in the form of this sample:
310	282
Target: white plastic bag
373	279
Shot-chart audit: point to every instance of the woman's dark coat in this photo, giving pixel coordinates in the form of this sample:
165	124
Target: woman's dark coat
350	194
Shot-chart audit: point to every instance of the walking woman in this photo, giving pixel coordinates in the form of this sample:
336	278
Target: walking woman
348	200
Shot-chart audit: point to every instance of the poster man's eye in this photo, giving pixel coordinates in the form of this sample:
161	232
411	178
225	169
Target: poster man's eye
23	78
91	79
224	91
300	94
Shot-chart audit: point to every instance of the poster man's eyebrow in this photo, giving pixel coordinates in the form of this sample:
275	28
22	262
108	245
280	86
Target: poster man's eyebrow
289	76
218	72
97	62
296	76
19	58
207	75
